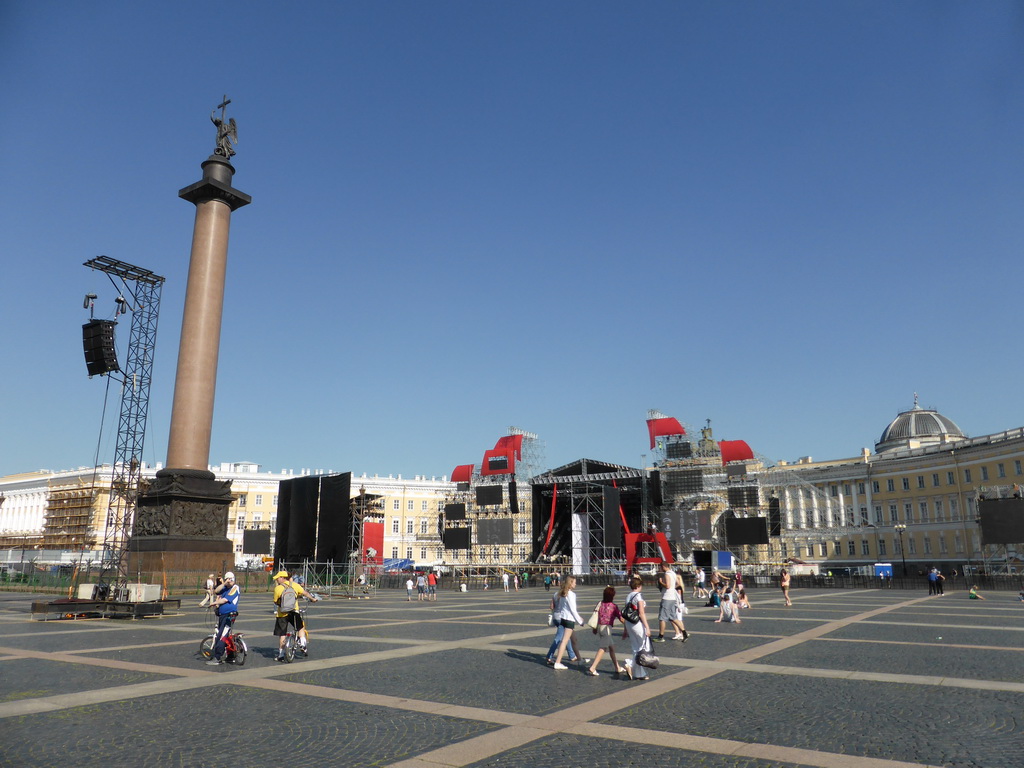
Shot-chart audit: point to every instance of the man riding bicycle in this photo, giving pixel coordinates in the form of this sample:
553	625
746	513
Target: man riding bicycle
226	605
286	598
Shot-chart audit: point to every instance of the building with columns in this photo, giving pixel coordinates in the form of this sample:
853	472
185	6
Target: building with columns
914	499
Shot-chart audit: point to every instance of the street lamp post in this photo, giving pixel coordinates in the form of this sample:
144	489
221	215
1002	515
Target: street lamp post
900	528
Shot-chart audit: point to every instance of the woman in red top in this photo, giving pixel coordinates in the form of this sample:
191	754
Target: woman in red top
607	614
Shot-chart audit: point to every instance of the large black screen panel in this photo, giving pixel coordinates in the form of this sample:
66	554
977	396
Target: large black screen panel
611	519
454	511
334	519
741	531
1002	521
456	538
489	495
494	531
256	542
702	558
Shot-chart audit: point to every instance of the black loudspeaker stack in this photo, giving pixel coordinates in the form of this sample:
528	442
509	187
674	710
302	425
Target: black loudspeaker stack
513	498
98	342
655	488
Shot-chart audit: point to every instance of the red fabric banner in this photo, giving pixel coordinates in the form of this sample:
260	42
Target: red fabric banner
462	473
510	444
373	538
661	427
734	450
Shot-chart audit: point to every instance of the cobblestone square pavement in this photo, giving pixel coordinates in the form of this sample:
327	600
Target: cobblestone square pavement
843	679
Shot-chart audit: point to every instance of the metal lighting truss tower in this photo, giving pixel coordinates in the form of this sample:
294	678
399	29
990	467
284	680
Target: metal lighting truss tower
145	288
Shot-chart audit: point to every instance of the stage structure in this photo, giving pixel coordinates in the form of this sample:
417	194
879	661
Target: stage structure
584	513
478	522
719	495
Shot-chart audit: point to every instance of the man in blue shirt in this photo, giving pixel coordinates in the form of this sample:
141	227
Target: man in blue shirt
226	605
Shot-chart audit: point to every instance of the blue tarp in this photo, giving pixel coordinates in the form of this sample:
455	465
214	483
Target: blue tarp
393	564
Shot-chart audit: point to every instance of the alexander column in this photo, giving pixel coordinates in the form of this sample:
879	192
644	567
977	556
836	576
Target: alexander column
182	518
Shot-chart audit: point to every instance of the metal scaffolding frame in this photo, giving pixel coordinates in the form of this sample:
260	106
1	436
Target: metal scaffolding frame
145	288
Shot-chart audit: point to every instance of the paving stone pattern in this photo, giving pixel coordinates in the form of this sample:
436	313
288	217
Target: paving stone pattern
462	682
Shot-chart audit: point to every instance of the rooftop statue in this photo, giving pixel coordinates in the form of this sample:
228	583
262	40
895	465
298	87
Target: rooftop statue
227	131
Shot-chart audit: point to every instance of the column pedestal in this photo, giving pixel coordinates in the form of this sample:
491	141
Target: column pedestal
180	527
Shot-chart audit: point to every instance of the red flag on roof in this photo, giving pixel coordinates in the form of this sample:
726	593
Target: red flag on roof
462	473
666	426
734	450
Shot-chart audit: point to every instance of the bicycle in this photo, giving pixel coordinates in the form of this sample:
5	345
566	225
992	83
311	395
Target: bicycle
235	649
291	637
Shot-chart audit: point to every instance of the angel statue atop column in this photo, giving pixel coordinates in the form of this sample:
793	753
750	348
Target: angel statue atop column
227	131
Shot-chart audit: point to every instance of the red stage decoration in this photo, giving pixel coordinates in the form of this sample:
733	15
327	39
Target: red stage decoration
632	539
498	462
462	473
512	444
551	521
373	538
662	427
734	450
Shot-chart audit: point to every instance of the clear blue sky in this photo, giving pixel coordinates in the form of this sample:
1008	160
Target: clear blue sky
786	217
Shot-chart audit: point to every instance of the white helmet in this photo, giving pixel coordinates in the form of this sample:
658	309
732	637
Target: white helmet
229	575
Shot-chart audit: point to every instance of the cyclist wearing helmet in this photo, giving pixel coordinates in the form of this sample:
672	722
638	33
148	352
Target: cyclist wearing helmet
225	602
292	616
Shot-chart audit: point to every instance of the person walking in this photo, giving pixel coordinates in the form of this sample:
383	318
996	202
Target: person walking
784	583
568	616
209	592
607	614
639	631
669	603
559	633
504	581
431	586
681	611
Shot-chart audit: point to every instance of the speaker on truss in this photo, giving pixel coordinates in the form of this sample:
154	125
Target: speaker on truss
655	488
679	450
774	516
740	531
611	516
456	538
454	511
488	495
98	342
513	498
736	471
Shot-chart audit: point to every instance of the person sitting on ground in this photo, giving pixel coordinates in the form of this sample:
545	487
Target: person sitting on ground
973	595
728	610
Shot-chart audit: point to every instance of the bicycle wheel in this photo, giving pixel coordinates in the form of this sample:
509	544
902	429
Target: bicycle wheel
241	651
206	647
289	648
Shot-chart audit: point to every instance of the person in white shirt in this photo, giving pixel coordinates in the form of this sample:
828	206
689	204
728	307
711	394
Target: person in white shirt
567	615
668	610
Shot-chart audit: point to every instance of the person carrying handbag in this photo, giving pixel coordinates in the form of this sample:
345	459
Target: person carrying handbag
637	629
